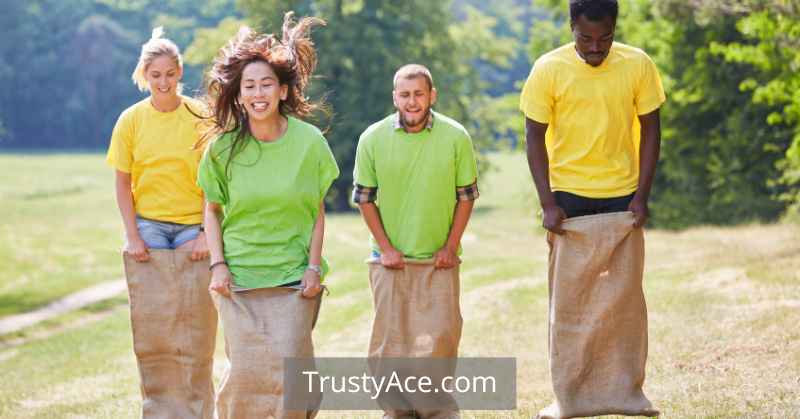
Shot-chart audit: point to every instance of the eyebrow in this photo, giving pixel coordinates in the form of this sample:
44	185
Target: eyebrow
263	79
606	35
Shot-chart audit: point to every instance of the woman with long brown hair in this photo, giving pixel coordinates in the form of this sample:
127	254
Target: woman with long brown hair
265	177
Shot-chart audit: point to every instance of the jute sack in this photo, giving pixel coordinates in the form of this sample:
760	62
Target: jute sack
174	331
262	327
417	315
598	318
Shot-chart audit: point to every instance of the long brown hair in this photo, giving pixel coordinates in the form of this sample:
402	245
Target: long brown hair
292	58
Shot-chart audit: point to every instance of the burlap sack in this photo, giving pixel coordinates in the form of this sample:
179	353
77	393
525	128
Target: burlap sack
174	331
262	327
417	315
598	318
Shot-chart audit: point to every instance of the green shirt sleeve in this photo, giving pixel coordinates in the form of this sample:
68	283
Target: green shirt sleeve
466	165
211	177
328	169
364	169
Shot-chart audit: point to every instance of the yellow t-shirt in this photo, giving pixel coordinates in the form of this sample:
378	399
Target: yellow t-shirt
156	149
592	113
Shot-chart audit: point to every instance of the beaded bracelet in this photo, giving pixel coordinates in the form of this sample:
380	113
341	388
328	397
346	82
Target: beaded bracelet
222	262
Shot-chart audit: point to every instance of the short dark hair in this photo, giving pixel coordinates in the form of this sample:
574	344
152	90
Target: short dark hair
594	10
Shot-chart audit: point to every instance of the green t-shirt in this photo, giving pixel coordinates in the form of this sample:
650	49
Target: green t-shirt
416	176
270	195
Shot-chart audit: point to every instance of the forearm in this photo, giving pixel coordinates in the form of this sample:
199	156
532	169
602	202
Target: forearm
315	250
213	227
461	217
538	162
649	152
372	217
125	204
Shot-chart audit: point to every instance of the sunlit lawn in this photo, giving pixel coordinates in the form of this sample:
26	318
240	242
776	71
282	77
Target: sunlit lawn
724	303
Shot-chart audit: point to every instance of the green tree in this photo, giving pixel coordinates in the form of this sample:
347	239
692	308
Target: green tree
771	47
718	159
67	64
363	45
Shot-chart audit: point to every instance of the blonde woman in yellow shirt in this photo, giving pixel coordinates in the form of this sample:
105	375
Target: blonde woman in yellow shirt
152	150
172	317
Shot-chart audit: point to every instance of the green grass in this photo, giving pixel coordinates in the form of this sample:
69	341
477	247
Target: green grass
724	303
60	231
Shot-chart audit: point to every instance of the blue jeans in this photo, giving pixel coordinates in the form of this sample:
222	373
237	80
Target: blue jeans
164	235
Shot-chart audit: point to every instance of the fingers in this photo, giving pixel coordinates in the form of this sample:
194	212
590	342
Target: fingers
312	290
390	263
639	216
141	256
220	287
199	255
444	262
395	265
555	228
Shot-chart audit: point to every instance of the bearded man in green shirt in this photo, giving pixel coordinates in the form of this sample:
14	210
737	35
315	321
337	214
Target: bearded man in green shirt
415	183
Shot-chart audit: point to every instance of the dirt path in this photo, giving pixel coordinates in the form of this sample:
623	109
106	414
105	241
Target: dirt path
74	301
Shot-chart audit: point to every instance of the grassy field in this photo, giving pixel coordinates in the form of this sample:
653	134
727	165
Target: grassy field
724	303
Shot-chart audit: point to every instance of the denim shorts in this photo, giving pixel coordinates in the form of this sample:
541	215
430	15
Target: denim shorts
164	235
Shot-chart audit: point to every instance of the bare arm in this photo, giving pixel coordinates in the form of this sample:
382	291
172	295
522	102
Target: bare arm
134	245
198	246
539	166
220	274
649	151
311	279
446	257
390	257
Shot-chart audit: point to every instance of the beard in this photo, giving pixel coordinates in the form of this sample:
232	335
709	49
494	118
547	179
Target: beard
415	122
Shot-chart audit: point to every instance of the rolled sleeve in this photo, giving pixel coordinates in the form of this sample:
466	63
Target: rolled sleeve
364	194
468	193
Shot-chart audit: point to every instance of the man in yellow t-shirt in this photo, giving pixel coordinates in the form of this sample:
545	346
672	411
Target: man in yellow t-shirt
593	134
592	121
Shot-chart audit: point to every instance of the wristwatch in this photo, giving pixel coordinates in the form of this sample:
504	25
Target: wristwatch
315	268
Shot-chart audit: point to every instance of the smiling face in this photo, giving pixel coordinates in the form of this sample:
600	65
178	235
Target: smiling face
593	39
260	91
413	98
163	75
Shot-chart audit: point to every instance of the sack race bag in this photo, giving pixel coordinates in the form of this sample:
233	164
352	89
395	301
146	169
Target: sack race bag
174	328
262	327
417	315
597	318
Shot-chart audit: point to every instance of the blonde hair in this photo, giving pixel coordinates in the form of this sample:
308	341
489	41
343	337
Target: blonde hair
152	49
411	71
